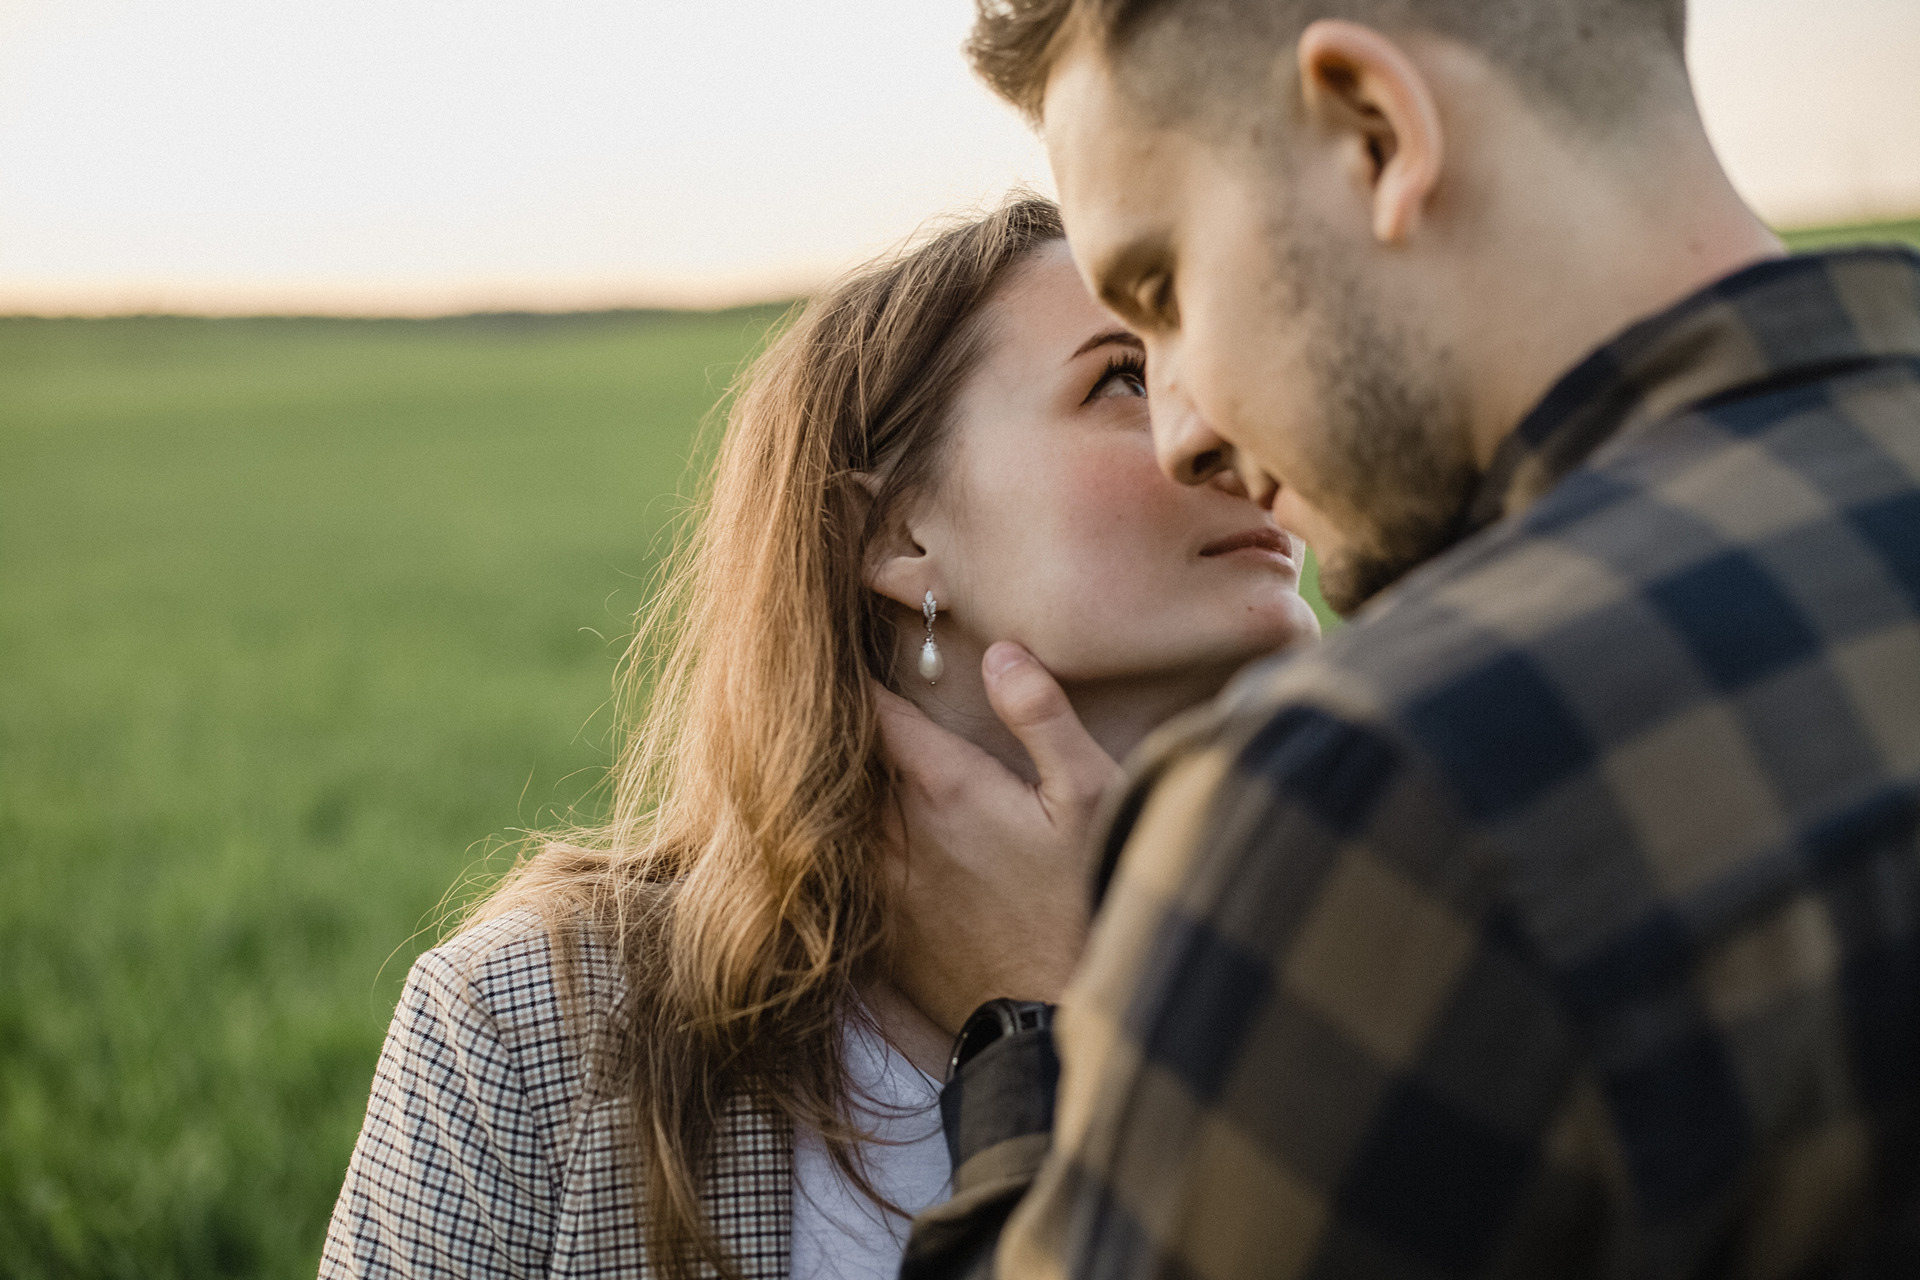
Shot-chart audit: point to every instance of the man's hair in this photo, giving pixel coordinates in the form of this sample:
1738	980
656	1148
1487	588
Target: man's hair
1591	62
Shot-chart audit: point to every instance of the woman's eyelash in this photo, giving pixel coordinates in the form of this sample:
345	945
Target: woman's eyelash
1131	363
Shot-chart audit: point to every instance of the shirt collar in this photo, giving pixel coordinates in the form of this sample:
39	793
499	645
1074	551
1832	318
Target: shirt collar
1783	321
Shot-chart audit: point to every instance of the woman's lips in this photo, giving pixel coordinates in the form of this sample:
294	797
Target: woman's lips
1268	541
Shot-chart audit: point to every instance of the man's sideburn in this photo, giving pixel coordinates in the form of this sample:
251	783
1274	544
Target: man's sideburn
1392	462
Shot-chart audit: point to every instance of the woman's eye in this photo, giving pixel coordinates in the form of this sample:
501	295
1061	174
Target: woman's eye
1120	380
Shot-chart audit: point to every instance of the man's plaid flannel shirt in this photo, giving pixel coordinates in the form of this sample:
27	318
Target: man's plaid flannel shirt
1562	917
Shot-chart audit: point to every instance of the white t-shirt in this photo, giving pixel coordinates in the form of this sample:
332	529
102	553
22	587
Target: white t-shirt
839	1234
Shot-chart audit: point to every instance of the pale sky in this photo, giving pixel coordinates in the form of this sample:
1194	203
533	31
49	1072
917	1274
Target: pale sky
434	155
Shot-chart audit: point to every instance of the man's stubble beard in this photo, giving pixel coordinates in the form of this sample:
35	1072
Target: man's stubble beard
1393	465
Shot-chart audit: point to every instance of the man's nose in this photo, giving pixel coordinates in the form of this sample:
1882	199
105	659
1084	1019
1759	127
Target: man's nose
1229	481
1189	450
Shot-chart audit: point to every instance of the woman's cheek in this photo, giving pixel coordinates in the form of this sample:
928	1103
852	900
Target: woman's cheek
1132	528
1120	490
1089	545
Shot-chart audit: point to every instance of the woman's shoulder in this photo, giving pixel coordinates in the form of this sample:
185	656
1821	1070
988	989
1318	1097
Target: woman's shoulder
503	980
483	1109
516	948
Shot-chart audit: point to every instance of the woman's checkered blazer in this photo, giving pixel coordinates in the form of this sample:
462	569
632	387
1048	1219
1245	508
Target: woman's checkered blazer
488	1151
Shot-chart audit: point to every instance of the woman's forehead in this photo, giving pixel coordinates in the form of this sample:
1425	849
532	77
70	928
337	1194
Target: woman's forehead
1045	307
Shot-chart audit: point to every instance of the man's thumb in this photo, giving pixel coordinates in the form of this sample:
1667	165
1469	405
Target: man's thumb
1029	701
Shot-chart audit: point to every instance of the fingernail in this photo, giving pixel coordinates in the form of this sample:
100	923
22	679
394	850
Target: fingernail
1002	658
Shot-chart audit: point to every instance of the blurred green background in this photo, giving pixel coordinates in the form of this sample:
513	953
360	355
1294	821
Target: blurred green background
300	621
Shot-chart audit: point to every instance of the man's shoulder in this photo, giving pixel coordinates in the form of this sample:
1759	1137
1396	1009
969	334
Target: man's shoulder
1747	571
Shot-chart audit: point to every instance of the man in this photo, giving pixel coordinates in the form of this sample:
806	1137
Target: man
1560	916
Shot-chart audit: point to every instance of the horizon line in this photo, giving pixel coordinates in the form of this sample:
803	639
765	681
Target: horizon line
474	303
533	314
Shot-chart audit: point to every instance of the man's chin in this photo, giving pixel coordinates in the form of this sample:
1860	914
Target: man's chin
1349	579
1358	568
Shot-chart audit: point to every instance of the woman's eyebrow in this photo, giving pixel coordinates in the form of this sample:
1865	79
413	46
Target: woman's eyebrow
1110	338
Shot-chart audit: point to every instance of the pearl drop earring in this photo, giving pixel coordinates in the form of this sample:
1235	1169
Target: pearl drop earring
932	665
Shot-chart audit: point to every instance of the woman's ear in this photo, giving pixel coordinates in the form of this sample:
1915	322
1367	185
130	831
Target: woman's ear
898	566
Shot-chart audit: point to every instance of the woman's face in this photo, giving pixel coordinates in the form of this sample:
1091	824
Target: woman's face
1052	524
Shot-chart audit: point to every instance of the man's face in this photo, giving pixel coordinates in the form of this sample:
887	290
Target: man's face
1269	346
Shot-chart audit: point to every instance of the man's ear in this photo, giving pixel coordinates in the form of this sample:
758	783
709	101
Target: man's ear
898	567
1360	86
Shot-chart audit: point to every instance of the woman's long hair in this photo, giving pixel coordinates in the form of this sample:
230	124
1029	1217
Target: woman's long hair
738	878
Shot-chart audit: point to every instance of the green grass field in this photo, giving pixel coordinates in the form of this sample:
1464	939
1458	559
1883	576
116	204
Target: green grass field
298	620
1901	231
295	618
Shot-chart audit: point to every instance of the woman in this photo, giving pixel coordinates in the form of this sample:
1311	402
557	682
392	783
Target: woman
670	1045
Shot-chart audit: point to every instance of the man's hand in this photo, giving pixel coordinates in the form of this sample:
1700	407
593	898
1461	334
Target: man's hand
990	878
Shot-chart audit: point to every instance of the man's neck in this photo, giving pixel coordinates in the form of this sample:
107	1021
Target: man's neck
1607	249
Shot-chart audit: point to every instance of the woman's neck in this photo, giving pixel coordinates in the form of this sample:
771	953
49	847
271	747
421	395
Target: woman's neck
1117	713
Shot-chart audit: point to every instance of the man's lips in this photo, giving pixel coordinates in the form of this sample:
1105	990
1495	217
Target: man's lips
1262	539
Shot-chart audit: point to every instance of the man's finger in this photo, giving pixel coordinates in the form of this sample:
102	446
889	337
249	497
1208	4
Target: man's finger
1030	702
927	756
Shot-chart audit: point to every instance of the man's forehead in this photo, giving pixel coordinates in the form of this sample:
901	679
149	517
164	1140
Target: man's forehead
1115	170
